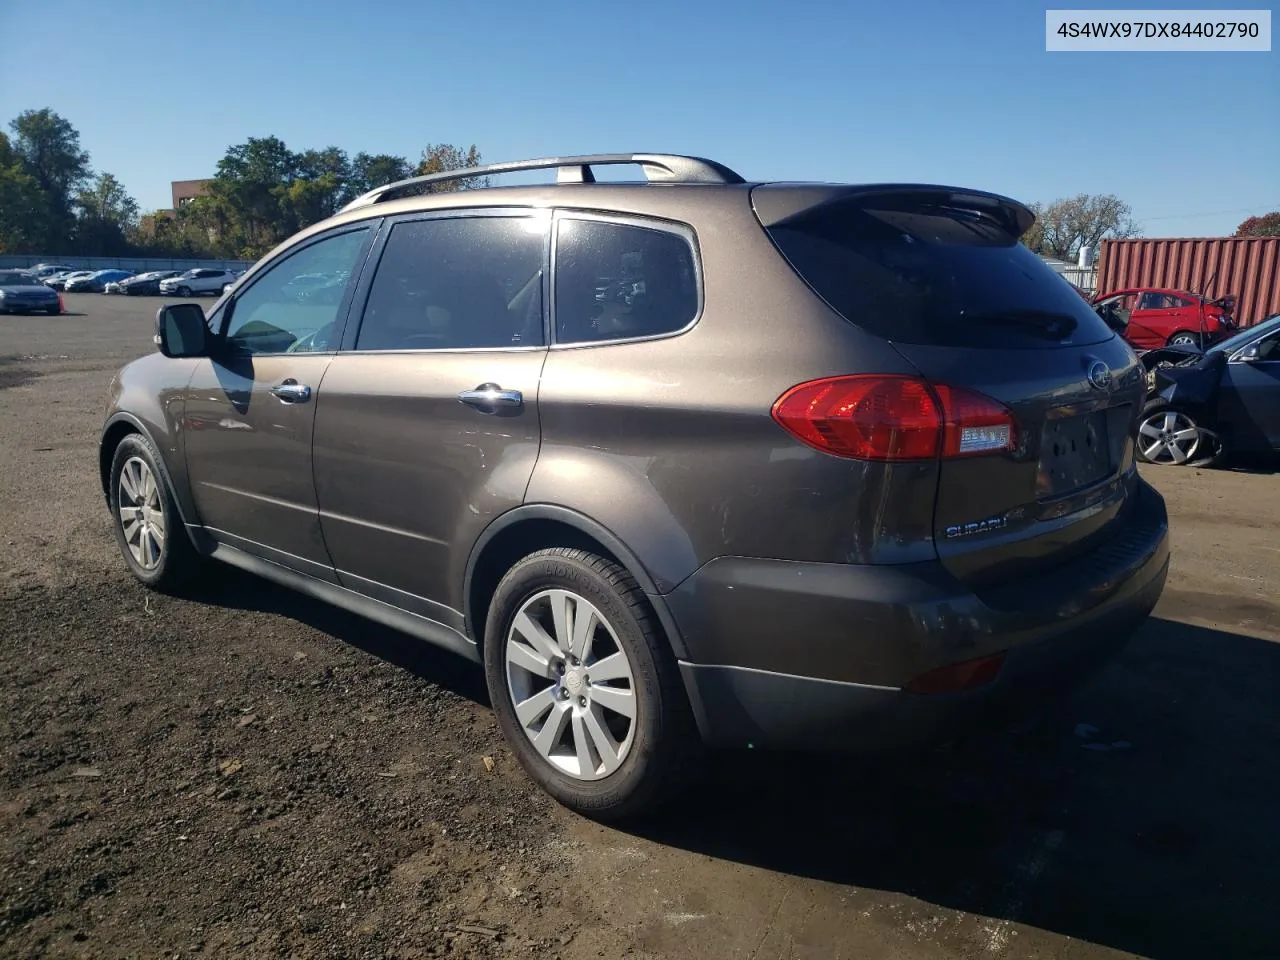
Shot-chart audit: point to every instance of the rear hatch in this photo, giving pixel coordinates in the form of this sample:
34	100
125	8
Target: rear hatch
1045	472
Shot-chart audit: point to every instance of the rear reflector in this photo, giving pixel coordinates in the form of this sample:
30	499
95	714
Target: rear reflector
892	417
957	676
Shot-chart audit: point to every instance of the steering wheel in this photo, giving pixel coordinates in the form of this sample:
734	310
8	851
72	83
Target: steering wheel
308	343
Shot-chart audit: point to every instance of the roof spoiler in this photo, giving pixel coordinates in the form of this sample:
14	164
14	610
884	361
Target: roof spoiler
775	207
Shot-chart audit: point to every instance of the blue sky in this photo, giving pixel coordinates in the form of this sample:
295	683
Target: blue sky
942	91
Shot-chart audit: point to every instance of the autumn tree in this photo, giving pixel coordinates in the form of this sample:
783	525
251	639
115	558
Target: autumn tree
445	157
1267	225
1064	226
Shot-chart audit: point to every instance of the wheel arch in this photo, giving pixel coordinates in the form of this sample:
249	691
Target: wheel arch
521	531
122	425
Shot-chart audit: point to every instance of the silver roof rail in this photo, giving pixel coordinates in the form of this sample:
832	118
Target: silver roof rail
657	167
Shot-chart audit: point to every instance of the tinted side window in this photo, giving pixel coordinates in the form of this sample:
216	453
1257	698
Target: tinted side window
272	317
455	284
615	281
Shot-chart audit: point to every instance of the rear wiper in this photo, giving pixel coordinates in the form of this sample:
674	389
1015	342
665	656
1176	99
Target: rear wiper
1054	325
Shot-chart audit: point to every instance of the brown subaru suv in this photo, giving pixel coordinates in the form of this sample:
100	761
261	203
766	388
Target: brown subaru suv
683	461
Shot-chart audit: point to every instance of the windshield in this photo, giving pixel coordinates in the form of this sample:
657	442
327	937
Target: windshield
1239	339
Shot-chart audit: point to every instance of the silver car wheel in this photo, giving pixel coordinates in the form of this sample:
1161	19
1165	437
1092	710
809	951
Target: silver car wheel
1184	339
141	513
571	684
1168	437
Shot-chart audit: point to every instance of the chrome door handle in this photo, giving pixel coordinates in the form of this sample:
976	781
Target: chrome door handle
490	398
291	391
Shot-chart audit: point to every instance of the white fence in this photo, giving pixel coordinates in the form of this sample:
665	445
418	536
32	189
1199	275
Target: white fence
136	264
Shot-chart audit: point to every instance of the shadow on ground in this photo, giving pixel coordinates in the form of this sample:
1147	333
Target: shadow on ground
1137	814
235	589
1153	829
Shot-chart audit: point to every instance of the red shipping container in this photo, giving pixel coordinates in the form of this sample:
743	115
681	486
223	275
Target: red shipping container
1248	267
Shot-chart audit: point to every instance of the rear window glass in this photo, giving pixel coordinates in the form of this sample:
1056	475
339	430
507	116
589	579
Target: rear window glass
934	275
616	281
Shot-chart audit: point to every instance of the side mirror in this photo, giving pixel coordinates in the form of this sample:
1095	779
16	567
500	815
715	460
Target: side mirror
181	330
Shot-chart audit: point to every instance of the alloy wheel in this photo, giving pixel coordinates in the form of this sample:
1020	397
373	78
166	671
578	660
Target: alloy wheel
141	513
1168	436
571	684
1184	339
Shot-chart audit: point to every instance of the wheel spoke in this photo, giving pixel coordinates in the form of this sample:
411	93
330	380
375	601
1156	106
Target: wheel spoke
584	628
1170	421
552	729
1153	451
144	545
1179	455
562	617
529	711
127	483
1149	429
525	657
538	638
615	699
130	527
1182	436
581	744
149	489
601	739
612	667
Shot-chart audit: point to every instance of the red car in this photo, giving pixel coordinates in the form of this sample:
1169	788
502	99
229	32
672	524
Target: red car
1157	317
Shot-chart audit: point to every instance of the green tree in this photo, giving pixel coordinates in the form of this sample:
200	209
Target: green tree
1267	225
246	207
1064	226
320	187
22	204
49	147
369	171
107	216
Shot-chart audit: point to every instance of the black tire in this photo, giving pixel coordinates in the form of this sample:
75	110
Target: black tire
1185	336
664	738
55	311
178	560
184	291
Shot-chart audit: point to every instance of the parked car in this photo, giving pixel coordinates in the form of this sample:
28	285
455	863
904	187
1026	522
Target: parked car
1157	317
42	271
195	282
838	468
96	281
20	292
1206	406
146	284
59	281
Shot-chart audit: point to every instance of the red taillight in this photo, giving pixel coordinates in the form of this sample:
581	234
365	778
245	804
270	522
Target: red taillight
958	676
893	417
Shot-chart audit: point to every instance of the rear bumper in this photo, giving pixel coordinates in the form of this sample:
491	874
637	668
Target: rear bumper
793	655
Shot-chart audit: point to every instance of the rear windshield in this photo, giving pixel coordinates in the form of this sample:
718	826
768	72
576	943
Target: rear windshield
934	274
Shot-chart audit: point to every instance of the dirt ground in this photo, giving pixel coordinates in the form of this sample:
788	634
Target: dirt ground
249	773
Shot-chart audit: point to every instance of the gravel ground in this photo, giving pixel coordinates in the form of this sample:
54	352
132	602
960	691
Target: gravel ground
247	773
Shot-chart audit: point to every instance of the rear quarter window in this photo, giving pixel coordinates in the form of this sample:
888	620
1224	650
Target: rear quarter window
621	281
933	274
